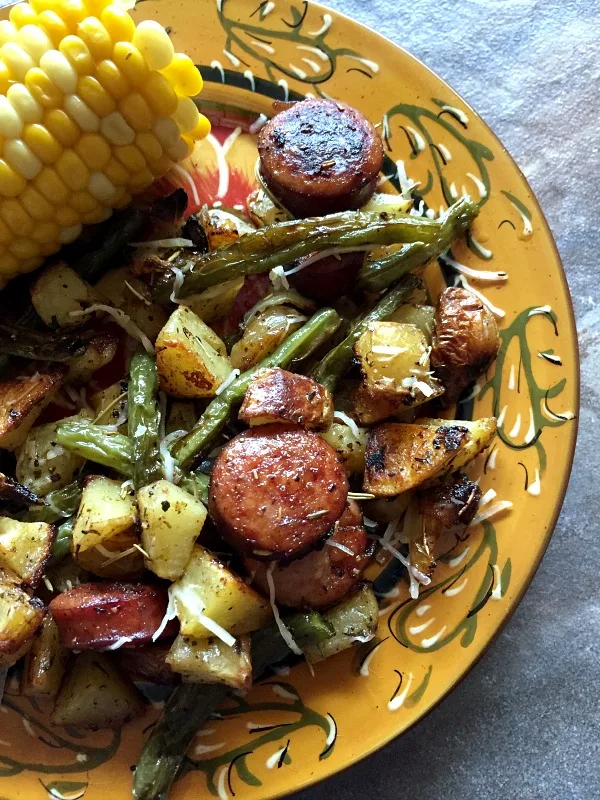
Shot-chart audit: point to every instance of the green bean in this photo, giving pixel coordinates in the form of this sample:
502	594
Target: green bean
93	443
144	419
336	363
58	504
190	706
378	275
62	541
300	344
22	341
284	242
196	484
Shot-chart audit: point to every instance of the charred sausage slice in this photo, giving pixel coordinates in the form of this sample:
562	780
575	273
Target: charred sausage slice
323	577
96	615
319	157
276	490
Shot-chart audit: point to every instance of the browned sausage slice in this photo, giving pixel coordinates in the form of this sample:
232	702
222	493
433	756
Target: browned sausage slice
319	157
96	615
323	577
276	490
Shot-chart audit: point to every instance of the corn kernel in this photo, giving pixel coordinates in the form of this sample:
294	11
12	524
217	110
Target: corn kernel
190	144
93	151
136	112
166	131
59	70
116	172
77	53
83	202
36	205
66	216
29	264
6	235
122	198
4	77
46	232
131	63
99	215
96	37
159	94
112	79
116	130
140	180
54	26
11	123
161	165
183	75
118	23
131	158
149	145
101	188
48	248
43	89
15	216
45	146
202	128
22	14
24	247
68	235
34	41
72	170
22	159
8	32
81	113
72	12
51	186
62	126
16	59
41	5
95	96
96	7
186	115
26	106
9	264
178	151
12	183
154	44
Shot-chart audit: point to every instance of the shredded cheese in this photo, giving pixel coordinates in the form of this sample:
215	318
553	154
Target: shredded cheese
341	547
487	497
279	298
346	420
119	643
158	243
177	284
193	603
122	319
165	454
137	294
228	381
491	511
278	279
285	633
258	124
170	614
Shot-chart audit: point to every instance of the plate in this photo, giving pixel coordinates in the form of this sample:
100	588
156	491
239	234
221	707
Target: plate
294	729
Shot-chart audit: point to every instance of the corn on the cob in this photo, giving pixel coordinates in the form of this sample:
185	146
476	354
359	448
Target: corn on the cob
92	110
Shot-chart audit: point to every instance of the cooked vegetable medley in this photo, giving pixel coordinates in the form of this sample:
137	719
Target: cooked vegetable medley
193	446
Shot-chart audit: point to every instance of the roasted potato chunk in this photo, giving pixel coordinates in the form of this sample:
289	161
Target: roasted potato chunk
421	316
394	360
20	617
276	395
222	228
192	361
171	521
57	292
99	351
22	400
263	334
42	464
110	404
350	444
216	301
44	663
125	291
24	549
212	661
104	531
401	456
94	695
208	588
465	341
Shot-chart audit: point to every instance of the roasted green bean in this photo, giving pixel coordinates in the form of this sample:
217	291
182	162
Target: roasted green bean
22	341
336	363
93	443
143	419
57	505
309	337
62	541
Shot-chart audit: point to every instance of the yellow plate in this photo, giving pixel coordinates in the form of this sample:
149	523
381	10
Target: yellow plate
252	53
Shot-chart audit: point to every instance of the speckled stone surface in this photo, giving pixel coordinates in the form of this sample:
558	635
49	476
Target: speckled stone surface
526	722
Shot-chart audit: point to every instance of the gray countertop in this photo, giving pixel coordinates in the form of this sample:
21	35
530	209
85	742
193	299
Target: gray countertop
526	722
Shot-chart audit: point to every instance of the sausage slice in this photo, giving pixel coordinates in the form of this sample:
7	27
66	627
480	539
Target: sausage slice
319	157
96	615
323	577
276	490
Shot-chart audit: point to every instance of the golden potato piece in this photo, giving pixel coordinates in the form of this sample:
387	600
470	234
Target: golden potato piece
212	661
21	402
192	361
57	292
99	351
24	549
20	617
276	395
44	663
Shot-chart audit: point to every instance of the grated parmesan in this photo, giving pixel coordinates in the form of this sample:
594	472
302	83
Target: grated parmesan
158	243
346	420
341	547
228	381
122	319
196	606
285	633
165	454
491	511
177	284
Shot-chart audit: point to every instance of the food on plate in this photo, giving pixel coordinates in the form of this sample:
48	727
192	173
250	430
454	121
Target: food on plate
214	416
